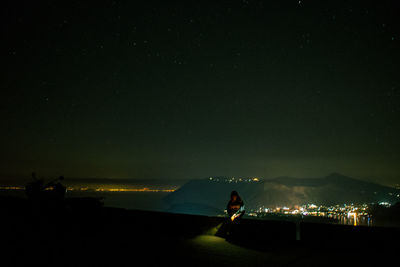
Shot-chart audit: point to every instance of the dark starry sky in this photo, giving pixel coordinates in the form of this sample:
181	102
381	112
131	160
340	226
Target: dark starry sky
187	89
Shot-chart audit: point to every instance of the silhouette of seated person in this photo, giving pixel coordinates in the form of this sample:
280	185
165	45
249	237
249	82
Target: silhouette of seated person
235	207
50	195
235	210
55	195
58	189
34	190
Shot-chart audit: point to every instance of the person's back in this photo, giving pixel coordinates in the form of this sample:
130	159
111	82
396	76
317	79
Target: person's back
59	189
34	189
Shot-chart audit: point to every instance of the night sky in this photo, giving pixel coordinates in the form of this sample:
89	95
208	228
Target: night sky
191	89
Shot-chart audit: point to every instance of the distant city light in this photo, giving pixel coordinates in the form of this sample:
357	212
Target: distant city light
133	190
12	187
97	189
353	214
234	179
384	203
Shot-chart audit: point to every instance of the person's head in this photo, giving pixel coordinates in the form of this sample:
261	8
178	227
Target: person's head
234	196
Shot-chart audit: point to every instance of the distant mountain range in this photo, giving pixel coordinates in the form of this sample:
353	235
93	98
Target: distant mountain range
211	195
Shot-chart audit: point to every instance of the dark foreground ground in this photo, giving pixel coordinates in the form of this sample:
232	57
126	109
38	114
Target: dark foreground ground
86	234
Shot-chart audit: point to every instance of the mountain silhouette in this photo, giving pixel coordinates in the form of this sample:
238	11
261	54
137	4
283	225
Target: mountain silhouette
281	191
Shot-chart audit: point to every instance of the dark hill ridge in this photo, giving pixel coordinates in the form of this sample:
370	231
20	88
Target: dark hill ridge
282	191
